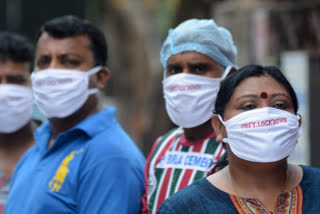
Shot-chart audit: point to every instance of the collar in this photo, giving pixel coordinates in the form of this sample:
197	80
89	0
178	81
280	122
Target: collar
97	123
185	142
90	126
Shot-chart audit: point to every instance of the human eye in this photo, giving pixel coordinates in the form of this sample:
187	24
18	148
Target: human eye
70	62
173	69
17	79
43	61
248	107
280	105
199	68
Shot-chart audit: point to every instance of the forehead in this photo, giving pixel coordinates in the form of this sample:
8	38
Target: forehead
10	67
256	85
190	57
79	44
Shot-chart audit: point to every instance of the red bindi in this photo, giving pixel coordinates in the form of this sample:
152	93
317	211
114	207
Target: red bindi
264	95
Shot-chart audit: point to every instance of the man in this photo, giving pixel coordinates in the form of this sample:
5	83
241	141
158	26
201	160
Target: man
16	105
83	161
196	56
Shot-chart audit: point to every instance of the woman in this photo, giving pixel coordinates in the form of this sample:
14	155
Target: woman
256	117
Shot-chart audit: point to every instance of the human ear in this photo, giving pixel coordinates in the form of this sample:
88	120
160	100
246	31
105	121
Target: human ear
232	70
103	76
300	120
218	127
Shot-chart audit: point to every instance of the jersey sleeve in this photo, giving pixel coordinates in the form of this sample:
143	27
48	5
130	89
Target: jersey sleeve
144	200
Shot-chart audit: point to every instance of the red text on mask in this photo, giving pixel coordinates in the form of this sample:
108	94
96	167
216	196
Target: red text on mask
263	123
185	88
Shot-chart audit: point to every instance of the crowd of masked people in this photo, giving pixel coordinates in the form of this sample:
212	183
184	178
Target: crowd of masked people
235	128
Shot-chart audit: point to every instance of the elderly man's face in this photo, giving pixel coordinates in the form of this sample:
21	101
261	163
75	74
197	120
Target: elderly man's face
191	62
67	53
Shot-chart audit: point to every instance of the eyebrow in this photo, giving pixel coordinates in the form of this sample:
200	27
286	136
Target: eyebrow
63	55
248	96
256	96
71	54
279	94
173	65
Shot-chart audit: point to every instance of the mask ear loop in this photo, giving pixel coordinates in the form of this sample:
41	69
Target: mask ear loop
89	73
164	75
226	71
225	140
94	70
300	127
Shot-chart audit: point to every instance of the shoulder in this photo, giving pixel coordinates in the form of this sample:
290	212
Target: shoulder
29	154
111	146
112	141
310	174
23	161
166	138
310	171
170	134
162	141
310	186
116	148
198	197
310	180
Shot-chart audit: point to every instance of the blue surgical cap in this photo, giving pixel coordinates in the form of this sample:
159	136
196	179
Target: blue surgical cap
202	36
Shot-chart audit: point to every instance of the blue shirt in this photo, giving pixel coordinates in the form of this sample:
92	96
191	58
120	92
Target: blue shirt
92	168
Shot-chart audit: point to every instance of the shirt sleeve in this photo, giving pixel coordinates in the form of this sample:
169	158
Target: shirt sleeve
113	185
144	200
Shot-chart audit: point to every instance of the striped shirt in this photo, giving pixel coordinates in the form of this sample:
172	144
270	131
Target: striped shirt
174	163
4	191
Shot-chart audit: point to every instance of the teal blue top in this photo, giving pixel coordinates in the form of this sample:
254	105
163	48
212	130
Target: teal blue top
202	197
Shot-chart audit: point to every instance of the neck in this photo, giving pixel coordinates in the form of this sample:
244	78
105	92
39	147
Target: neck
199	132
12	147
59	125
251	178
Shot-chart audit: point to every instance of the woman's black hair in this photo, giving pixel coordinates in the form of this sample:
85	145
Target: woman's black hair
231	82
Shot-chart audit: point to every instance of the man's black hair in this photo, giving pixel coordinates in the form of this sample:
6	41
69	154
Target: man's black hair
16	48
69	26
231	82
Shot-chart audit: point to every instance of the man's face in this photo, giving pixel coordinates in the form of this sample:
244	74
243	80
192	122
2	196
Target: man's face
191	62
14	73
68	53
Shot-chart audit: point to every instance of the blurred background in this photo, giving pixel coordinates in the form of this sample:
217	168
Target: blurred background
285	33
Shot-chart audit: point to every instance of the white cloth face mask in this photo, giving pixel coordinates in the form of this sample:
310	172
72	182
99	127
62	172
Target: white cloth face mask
190	98
61	92
16	107
262	135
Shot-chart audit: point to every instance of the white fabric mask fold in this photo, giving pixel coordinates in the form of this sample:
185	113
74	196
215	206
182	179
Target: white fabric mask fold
16	107
61	92
190	98
262	135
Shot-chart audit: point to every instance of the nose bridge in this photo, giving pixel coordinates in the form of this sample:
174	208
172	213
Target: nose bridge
265	102
54	63
186	69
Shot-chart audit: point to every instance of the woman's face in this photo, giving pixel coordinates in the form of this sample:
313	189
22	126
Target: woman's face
258	92
253	93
